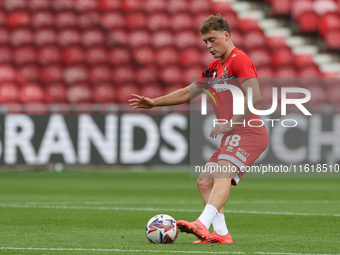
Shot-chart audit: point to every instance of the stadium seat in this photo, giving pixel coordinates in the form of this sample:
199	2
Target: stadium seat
4	36
75	74
132	5
158	21
282	56
104	93
308	21
49	55
28	73
171	74
260	57
135	20
167	56
100	73
68	37
96	55
190	74
119	37
3	17
45	36
73	55
172	87
7	73
88	20
190	56
119	56
146	75
123	74
275	42
199	18
31	93
206	58
5	54
113	20
42	19
25	55
197	6
124	92
139	38
62	5
85	5
329	21
246	25
18	18
286	72
282	7
333	39
92	37
10	5
185	39
162	39
182	20
175	6
154	6
8	93
321	7
301	60
21	36
35	5
65	19
144	55
311	71
79	94
109	5
254	39
301	6
221	7
151	90
265	72
237	39
52	73
55	94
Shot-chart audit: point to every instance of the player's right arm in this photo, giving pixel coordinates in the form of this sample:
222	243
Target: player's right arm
177	97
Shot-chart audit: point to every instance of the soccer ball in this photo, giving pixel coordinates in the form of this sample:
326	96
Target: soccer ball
161	228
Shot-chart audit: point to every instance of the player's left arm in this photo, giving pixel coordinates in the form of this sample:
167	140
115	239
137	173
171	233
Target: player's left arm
256	98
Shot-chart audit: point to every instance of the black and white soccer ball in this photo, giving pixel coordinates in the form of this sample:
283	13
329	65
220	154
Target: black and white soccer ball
161	228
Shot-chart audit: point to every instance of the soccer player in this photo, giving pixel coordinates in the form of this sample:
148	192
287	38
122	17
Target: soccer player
241	143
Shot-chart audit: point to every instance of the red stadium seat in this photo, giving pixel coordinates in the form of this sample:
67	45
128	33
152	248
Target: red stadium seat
35	5
104	93
162	39
96	55
301	60
135	20
69	37
5	54
132	5
275	42
260	56
109	5
25	55
28	73
8	93
18	18
167	56
237	39
73	55
308	21
52	73
88	20
282	56
151	90
265	72
154	6
93	37
246	25
254	39
321	7
100	73
220	7
123	74
191	73
146	75
85	5
113	20
79	94
286	72
190	56
185	39
21	36
42	19
144	55
4	36
172	87
333	39
199	18
31	93
206	58
7	73
55	94
139	38
45	36
329	21
119	56
124	92
65	19
171	74
232	19
118	37
197	6
62	5
158	21
301	6
175	6
11	5
311	71
182	20
3	17
49	55
75	74
282	7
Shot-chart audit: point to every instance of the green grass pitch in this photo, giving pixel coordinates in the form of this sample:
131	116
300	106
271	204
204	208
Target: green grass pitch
106	213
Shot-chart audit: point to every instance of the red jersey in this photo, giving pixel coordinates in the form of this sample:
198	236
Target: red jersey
234	70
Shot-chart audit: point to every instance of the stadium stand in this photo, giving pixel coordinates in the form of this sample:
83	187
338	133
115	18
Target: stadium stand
100	51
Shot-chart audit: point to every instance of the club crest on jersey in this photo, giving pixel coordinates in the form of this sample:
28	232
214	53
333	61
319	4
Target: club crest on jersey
225	71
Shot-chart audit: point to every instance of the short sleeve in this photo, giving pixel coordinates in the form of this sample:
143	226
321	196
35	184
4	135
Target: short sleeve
244	68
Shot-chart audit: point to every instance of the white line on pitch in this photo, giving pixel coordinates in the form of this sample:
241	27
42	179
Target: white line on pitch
157	251
106	208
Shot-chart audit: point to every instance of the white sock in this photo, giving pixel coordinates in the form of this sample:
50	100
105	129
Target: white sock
220	225
208	215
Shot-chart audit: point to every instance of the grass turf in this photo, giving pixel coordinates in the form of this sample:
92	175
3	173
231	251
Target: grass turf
107	211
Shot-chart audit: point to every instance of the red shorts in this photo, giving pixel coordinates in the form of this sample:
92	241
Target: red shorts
241	148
